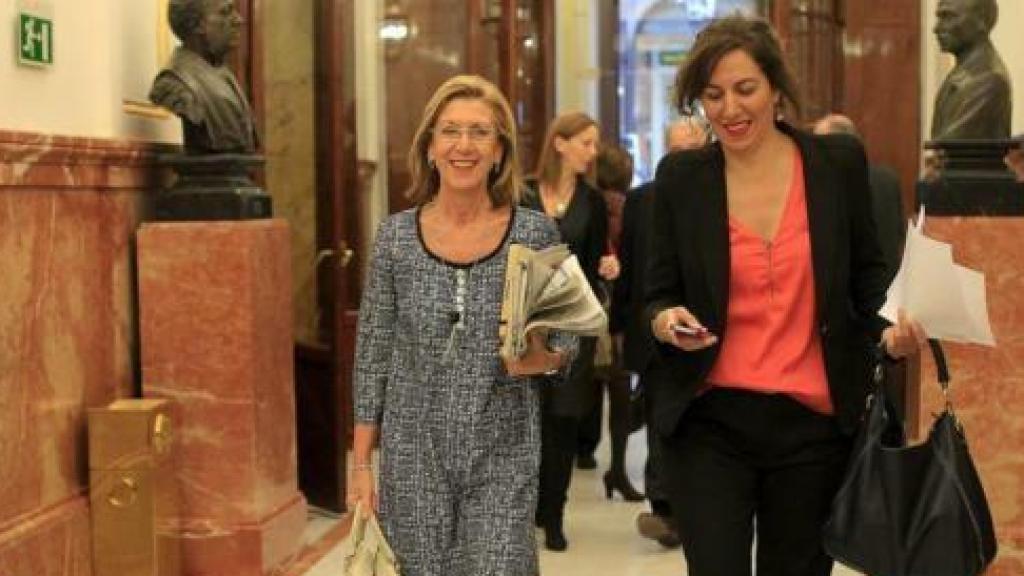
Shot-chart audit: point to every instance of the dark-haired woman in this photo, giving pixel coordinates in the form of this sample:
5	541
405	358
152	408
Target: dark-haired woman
765	281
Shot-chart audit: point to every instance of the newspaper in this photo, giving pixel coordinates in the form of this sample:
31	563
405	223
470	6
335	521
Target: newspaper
546	289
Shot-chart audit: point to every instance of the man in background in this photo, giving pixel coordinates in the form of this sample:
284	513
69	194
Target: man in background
886	201
632	334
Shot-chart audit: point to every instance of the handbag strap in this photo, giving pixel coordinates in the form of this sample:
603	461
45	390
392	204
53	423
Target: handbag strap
941	367
940	363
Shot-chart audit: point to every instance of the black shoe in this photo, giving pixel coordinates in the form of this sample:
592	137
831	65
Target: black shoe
586	462
554	538
620	482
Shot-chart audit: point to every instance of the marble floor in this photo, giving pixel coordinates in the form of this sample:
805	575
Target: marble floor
602	533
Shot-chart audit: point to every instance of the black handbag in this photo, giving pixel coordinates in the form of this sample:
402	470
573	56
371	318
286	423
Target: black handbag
911	510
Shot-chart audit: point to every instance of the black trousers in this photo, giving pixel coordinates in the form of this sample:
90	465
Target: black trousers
558	449
615	380
654	474
742	459
589	434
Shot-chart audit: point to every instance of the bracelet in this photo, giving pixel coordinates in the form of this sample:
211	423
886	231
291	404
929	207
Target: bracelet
561	362
360	467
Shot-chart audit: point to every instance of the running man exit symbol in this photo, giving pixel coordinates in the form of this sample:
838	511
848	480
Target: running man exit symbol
35	40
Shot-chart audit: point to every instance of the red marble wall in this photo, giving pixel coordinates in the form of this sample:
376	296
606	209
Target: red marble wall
68	211
988	383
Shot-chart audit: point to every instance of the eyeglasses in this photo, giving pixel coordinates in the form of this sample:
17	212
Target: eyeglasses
478	133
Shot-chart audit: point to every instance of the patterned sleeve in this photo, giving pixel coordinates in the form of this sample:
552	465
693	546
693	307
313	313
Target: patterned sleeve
375	337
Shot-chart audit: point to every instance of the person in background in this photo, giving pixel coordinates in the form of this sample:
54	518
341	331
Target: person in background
764	283
562	188
886	200
631	332
459	426
614	175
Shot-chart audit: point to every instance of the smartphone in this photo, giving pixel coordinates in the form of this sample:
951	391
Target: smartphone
687	331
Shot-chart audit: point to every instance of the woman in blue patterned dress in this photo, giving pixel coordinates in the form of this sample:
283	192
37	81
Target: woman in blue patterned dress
458	426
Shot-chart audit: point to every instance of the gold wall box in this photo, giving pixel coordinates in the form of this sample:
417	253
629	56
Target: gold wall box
132	490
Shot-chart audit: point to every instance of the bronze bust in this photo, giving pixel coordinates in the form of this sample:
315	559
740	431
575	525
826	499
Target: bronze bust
974	99
198	87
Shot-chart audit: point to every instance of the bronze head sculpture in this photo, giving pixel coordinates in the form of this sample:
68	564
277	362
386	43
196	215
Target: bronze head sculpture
974	101
198	87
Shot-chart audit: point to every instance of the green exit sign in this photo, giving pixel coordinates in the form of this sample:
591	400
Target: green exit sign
35	40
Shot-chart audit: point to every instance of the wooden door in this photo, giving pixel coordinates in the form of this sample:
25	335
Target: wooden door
811	33
882	91
511	43
323	364
324	369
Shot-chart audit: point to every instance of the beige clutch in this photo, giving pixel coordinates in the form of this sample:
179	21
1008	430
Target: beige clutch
366	551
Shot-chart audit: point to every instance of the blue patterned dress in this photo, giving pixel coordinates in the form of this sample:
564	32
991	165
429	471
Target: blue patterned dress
459	438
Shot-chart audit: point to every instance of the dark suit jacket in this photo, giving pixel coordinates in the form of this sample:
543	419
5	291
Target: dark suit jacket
626	316
689	266
888	211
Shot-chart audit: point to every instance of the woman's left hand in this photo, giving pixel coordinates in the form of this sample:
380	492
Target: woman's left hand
609	267
904	338
538	359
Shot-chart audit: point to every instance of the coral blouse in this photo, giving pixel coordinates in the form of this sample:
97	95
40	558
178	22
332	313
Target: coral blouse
770	344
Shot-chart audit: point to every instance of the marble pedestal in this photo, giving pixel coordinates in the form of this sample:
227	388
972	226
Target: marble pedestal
216	331
988	383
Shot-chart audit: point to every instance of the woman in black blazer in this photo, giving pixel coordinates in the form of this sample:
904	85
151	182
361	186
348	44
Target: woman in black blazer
561	188
763	286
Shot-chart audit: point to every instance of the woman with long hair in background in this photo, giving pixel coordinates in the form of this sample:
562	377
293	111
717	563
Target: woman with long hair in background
562	188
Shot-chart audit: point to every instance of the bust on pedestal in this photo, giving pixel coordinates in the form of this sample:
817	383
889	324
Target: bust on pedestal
220	136
965	172
974	99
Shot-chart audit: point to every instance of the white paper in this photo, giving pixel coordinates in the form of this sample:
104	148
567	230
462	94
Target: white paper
947	299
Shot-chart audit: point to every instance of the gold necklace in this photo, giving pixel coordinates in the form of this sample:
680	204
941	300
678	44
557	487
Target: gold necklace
562	200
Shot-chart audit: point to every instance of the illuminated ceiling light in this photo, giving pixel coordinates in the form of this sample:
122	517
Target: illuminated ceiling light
394	30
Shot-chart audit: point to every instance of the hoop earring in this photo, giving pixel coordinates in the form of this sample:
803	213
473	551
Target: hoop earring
431	164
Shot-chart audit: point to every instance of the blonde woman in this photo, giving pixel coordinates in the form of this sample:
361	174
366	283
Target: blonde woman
459	428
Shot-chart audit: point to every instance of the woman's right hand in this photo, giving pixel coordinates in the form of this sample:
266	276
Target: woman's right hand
664	328
362	490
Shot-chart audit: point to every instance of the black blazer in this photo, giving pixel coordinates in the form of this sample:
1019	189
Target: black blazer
584	226
888	211
626	316
689	266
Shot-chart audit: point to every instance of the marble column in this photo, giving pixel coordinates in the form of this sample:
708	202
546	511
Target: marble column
988	383
216	330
